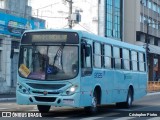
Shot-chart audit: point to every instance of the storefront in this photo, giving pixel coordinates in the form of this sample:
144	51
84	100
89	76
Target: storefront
11	29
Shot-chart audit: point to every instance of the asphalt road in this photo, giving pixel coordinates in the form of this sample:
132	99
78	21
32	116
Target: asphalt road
147	106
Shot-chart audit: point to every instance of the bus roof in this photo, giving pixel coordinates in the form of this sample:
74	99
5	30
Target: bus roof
97	38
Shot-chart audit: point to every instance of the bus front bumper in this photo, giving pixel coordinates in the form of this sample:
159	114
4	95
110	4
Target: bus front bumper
53	100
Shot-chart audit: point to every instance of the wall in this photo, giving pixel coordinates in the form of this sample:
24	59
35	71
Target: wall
131	20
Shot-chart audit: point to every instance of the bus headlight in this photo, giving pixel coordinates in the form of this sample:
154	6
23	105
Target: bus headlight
71	90
22	89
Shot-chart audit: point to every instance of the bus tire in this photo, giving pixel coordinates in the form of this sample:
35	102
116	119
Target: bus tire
93	108
43	108
129	100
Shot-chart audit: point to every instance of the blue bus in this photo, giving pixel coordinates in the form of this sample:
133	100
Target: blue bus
78	69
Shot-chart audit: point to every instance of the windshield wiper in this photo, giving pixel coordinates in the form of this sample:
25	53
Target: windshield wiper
59	55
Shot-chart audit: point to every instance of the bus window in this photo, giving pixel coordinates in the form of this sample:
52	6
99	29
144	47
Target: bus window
97	55
116	55
141	62
86	56
86	61
107	56
126	59
134	60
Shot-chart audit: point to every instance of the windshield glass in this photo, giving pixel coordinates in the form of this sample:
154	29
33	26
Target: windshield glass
48	62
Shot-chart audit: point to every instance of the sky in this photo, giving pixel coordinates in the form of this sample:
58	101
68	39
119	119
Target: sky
53	11
57	12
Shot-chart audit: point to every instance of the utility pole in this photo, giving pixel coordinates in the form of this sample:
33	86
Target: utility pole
70	13
147	41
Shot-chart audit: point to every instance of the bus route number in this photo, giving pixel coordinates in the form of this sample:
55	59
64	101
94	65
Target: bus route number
98	75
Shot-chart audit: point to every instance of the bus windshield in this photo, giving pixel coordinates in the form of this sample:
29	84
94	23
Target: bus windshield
48	62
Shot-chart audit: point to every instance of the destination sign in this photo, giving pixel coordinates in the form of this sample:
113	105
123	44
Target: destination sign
50	37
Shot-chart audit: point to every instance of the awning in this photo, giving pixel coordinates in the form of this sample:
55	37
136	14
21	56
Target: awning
154	49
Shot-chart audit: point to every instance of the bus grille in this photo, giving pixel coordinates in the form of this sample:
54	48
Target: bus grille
45	99
46	86
43	92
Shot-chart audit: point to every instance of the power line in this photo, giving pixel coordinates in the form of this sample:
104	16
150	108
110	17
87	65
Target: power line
86	28
46	6
51	17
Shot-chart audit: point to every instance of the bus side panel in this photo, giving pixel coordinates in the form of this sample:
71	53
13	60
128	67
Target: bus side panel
120	86
107	86
87	83
142	88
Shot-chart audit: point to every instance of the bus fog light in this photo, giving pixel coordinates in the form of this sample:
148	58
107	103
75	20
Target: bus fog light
22	89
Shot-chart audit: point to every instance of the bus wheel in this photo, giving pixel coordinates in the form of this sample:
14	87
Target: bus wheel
43	108
129	100
93	108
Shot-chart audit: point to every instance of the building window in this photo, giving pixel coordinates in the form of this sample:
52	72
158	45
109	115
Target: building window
15	45
144	2
2	4
113	19
154	7
150	4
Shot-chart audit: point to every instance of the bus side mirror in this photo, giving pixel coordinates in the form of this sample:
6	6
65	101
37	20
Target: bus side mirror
87	51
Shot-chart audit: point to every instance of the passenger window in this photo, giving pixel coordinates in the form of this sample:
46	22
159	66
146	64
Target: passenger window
97	55
116	55
86	56
141	62
126	60
134	60
107	56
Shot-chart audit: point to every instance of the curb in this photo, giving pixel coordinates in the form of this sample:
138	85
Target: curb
153	93
7	99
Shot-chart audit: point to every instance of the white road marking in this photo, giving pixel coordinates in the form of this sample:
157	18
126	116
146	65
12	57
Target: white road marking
154	118
154	93
91	118
3	108
61	117
124	118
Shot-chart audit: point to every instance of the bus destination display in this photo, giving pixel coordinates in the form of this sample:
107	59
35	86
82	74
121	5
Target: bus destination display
50	37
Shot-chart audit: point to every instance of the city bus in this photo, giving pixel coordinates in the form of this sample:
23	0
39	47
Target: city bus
73	68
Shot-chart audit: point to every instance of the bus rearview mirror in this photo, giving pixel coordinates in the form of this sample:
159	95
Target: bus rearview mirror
87	51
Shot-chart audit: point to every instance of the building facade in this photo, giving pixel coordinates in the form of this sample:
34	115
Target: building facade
138	15
15	18
124	20
110	19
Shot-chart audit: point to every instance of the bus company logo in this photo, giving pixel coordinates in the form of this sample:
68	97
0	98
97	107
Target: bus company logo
45	92
6	114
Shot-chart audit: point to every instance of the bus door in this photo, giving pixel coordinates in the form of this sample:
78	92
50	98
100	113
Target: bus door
86	73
